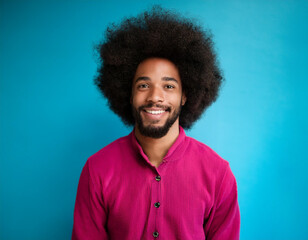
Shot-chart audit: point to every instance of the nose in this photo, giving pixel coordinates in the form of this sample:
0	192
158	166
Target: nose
155	95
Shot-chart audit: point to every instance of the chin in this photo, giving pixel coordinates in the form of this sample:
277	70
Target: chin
156	128
153	132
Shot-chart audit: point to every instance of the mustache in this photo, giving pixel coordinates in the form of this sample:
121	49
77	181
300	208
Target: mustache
150	105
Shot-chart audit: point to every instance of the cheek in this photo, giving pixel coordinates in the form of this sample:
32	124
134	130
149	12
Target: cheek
135	100
177	99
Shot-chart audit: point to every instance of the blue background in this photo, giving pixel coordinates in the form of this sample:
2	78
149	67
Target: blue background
53	118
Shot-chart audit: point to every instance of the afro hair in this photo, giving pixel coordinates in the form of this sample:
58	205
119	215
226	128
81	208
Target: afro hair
164	34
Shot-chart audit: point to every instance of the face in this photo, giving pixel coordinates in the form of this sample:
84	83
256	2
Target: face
157	97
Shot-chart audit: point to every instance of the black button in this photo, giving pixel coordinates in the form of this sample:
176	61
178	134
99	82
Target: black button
157	204
155	234
158	178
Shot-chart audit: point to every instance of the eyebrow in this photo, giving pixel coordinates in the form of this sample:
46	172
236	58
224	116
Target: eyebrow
142	78
149	79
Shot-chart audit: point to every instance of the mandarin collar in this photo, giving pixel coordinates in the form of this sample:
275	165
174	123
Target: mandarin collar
174	152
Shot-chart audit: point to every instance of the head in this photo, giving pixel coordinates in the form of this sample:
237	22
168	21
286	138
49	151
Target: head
157	97
162	35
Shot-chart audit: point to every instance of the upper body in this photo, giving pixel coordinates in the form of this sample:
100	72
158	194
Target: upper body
119	187
158	73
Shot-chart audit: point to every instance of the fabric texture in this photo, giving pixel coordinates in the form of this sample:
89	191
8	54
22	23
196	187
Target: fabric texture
191	195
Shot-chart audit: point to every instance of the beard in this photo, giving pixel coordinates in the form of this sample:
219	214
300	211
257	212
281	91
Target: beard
152	131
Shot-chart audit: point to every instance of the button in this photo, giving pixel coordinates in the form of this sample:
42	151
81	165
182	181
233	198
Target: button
155	234
157	204
157	178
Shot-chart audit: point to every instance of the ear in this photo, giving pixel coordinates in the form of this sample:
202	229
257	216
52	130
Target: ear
183	99
131	96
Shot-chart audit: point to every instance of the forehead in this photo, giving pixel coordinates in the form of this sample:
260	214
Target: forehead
157	67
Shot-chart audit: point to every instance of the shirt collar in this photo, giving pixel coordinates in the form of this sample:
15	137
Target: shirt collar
174	152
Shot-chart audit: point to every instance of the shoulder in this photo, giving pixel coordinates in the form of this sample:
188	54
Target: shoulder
209	162
204	152
110	155
112	148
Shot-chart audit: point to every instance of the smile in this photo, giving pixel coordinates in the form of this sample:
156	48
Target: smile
155	112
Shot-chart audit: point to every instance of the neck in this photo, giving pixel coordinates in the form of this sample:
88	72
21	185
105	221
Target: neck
157	148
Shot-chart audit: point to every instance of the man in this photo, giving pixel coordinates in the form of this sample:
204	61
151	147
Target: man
159	73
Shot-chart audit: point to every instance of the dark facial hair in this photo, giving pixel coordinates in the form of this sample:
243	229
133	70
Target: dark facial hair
151	131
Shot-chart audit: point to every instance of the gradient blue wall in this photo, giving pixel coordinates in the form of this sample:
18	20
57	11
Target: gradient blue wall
52	117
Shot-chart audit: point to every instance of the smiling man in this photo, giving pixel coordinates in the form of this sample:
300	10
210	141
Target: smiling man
159	73
157	98
157	81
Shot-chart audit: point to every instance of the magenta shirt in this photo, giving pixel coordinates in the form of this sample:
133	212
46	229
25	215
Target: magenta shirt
191	195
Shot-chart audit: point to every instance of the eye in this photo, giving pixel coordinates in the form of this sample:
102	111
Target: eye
142	86
169	86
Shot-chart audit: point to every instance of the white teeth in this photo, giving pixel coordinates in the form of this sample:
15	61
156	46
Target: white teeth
155	112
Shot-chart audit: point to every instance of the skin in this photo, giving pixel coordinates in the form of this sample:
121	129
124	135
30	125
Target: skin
157	82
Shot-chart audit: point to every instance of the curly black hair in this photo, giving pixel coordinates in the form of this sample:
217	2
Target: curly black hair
165	34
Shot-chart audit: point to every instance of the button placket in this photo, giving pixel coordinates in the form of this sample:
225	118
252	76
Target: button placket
158	178
155	234
157	203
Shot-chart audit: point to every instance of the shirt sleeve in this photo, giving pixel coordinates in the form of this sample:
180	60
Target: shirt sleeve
89	214
224	220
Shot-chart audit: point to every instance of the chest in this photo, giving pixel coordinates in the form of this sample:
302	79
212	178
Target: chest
165	198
